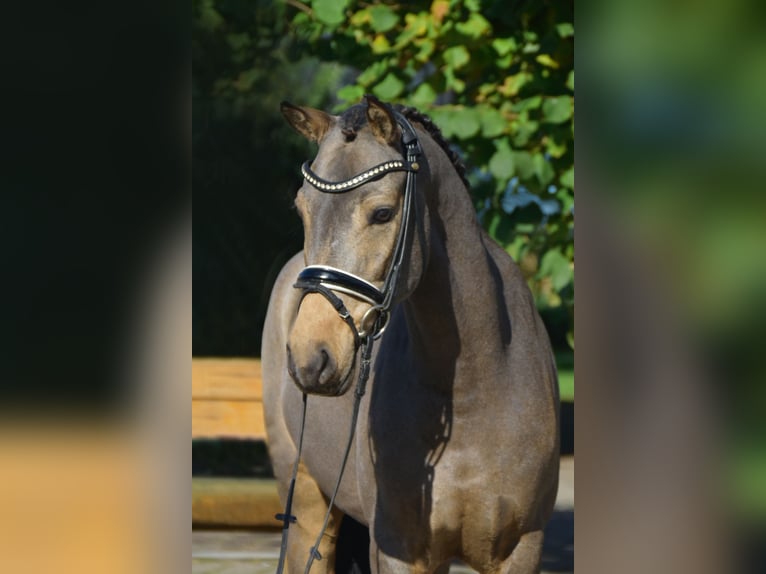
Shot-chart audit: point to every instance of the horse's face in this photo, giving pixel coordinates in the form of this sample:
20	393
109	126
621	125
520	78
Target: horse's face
354	231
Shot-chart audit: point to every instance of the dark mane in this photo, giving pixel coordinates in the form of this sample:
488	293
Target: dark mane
433	130
355	117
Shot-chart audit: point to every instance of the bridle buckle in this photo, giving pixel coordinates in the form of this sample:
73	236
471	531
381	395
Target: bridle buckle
378	325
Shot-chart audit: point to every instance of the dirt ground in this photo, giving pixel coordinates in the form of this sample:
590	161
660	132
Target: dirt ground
249	552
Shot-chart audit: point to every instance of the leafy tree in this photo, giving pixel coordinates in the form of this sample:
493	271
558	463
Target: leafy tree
498	78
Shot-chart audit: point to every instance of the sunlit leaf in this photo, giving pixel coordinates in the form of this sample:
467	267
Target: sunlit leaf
360	17
380	44
493	123
465	123
565	29
330	12
439	9
426	49
351	93
557	109
567	178
473	5
390	88
557	267
504	46
474	27
456	57
501	162
373	73
424	95
546	60
382	18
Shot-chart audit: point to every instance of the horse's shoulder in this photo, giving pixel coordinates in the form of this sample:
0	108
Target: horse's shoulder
287	275
281	302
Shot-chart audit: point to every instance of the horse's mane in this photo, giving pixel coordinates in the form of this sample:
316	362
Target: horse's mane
354	117
433	130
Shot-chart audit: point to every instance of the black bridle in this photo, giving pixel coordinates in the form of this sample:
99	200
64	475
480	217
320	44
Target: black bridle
327	281
336	280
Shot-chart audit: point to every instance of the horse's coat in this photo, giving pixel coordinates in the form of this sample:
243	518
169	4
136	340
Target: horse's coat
456	448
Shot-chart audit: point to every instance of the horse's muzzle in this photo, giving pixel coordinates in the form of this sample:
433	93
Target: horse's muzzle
318	373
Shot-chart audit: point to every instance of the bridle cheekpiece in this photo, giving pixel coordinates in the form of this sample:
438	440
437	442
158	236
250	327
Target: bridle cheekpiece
327	280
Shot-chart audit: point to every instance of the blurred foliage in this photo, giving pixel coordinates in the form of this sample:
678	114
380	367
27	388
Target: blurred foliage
498	79
245	164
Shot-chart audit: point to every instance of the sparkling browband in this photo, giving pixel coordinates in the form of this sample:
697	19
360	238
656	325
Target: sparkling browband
356	181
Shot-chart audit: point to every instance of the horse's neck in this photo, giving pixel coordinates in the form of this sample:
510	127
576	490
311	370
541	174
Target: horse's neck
453	312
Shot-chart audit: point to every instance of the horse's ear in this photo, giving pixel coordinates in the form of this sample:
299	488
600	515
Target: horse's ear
310	123
381	121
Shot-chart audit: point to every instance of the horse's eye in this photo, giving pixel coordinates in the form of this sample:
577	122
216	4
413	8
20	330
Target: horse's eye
382	215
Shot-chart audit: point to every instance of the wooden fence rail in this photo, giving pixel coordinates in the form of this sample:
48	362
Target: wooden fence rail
227	402
227	399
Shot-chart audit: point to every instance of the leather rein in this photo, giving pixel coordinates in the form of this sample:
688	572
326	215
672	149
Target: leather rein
327	281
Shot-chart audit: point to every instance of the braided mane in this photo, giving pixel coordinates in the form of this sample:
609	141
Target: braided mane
433	130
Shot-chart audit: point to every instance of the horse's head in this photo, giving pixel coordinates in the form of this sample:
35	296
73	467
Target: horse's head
353	227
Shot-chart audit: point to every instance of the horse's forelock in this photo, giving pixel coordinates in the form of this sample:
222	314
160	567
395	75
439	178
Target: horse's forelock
353	119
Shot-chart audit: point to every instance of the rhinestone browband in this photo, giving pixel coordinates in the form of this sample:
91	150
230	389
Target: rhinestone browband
356	181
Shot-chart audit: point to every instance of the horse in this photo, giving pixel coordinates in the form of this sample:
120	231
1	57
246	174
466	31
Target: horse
457	442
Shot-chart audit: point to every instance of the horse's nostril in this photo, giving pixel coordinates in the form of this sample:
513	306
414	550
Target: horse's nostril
317	369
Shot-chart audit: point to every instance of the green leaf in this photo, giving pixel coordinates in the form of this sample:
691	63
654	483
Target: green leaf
565	29
557	267
543	169
465	123
546	60
501	163
372	73
330	12
566	199
525	167
557	110
474	27
456	57
351	93
426	49
380	44
383	18
423	96
473	5
390	88
493	123
504	46
555	148
527	104
567	178
570	81
523	130
512	84
453	83
360	18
